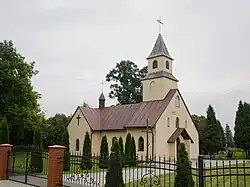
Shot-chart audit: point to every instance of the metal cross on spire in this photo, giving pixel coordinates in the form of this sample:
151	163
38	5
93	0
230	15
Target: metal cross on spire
160	23
102	83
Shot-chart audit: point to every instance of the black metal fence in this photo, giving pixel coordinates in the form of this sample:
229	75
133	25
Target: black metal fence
157	171
160	172
28	165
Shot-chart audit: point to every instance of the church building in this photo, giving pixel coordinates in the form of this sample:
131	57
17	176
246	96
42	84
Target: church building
162	118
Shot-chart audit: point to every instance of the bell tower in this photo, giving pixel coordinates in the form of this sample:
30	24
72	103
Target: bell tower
160	78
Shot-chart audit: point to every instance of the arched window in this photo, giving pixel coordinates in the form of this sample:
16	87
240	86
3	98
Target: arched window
177	123
141	144
177	101
77	144
155	64
167	64
168	122
186	123
151	86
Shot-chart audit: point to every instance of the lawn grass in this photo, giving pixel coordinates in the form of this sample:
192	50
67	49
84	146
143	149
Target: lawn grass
18	163
227	177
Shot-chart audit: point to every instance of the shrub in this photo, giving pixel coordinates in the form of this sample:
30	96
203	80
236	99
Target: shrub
127	148
104	153
86	162
183	172
121	150
65	142
114	174
132	153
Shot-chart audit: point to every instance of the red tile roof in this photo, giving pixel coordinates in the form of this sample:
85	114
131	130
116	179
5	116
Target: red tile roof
127	116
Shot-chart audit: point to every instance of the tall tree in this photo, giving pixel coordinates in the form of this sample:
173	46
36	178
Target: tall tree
200	124
212	134
239	134
18	100
183	176
104	153
127	147
228	137
242	127
4	131
222	137
65	142
86	162
114	175
126	86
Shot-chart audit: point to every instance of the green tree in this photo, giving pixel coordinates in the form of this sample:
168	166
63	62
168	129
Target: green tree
200	124
114	174
239	134
222	137
127	147
228	137
132	155
242	127
65	142
4	131
126	86
36	160
18	100
104	153
183	176
86	162
212	134
53	127
121	150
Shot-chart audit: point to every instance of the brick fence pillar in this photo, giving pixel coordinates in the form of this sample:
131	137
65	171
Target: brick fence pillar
5	152
55	166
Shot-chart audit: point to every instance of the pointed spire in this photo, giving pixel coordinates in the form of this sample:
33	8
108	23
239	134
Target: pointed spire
102	96
159	48
101	101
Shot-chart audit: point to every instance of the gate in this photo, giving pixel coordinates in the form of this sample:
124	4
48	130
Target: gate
28	165
138	173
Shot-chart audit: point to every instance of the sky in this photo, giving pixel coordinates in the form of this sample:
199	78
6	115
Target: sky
76	43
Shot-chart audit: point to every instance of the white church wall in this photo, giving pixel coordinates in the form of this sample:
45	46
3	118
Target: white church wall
163	131
77	131
156	89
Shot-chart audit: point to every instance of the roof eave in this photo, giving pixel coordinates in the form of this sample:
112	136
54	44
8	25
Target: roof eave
154	56
160	77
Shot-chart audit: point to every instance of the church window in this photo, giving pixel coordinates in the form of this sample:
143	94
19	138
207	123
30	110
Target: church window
186	123
77	144
155	64
167	64
141	144
177	101
177	123
168	122
151	86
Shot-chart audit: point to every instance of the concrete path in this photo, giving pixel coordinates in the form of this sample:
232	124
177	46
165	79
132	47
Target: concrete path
7	183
